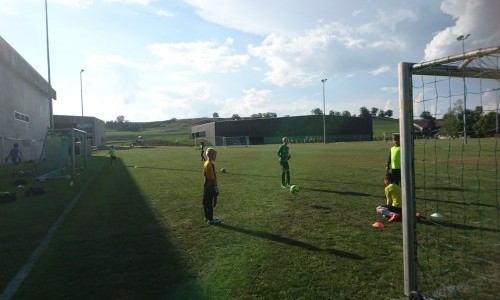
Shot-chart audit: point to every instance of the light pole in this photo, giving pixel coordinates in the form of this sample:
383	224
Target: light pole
49	88
81	95
324	111
463	38
496	115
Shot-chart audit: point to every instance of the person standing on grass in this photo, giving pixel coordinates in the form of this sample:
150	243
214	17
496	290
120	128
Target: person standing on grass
392	210
112	155
15	155
210	187
394	161
202	148
283	157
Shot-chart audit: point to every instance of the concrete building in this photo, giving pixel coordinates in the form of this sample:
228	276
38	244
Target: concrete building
298	129
24	104
94	127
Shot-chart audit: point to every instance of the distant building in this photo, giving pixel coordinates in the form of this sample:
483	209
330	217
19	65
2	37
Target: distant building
93	126
302	129
24	104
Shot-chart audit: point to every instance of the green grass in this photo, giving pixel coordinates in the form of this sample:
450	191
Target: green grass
137	232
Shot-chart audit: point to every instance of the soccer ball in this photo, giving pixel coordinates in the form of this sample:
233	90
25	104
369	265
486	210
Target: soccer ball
294	189
223	170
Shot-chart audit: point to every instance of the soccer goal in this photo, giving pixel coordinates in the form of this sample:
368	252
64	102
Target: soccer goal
235	141
451	175
64	152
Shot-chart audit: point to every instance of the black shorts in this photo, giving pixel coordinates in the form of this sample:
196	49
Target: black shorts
284	165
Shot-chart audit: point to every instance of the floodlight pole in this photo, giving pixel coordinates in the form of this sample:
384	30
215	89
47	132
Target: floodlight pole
463	38
49	88
496	115
81	95
324	111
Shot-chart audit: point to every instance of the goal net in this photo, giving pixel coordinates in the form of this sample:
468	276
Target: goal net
64	152
235	141
450	156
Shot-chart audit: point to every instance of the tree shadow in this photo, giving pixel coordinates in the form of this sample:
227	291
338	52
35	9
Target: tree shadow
291	242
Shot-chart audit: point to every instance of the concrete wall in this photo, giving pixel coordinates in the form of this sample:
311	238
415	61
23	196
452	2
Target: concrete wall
24	103
300	128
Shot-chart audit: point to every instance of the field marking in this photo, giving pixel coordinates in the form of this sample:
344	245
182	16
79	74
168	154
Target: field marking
14	284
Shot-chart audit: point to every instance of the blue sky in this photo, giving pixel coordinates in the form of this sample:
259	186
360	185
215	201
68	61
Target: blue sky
156	60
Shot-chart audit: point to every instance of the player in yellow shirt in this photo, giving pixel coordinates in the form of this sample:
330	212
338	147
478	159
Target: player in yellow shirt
394	161
210	187
393	209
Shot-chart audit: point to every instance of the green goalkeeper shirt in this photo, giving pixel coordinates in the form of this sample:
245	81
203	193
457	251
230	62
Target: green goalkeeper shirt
283	153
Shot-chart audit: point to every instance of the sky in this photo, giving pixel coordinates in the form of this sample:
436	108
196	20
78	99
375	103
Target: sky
154	60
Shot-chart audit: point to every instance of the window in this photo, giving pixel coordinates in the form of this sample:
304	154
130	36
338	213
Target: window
21	117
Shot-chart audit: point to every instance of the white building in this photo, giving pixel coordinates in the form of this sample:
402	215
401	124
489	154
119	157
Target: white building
24	104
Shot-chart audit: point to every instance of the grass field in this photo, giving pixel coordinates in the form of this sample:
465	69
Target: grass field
137	230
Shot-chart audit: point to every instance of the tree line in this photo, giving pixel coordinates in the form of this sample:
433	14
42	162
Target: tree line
363	112
478	123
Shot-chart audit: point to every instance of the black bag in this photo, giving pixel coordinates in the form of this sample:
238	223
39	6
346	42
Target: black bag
6	197
34	191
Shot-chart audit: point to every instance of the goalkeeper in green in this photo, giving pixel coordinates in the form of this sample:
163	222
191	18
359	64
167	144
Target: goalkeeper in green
283	157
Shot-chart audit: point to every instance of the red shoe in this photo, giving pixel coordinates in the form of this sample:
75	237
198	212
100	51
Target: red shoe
394	217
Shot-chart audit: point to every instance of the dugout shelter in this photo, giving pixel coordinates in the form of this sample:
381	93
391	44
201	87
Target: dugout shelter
301	129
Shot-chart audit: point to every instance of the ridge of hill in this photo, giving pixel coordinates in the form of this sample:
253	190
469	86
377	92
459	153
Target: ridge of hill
178	131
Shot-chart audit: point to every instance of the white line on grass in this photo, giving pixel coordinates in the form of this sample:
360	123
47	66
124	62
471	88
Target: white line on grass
14	284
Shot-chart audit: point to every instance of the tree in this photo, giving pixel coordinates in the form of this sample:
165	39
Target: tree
431	125
381	113
346	113
120	119
270	115
364	112
426	115
374	111
317	112
486	126
389	113
334	113
450	125
215	115
236	117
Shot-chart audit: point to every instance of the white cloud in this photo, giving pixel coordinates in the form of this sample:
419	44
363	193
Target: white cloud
199	57
478	18
381	70
164	13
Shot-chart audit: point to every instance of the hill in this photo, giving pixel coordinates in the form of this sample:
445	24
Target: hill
178	131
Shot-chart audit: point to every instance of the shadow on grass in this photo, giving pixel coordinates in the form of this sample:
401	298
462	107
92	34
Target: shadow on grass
427	221
348	193
288	241
111	246
461	203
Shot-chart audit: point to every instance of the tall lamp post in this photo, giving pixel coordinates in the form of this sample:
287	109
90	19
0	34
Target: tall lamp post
496	115
463	38
324	111
81	95
49	88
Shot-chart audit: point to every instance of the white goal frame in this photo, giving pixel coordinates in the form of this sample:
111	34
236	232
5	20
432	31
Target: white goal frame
235	141
462	66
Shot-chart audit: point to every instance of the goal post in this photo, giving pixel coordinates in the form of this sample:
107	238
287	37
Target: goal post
64	151
235	141
450	256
